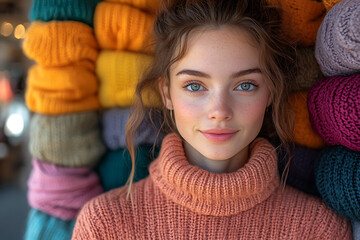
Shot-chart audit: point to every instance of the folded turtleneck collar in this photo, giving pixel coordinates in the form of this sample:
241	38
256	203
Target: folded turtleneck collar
213	193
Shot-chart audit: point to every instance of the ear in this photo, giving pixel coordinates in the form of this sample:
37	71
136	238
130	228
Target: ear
165	93
269	102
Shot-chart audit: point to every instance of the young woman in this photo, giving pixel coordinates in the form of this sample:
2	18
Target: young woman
221	68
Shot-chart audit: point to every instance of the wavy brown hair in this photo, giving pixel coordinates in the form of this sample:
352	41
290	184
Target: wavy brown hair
178	19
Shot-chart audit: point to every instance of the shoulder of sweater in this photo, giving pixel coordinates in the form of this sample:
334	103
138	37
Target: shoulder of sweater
118	197
312	213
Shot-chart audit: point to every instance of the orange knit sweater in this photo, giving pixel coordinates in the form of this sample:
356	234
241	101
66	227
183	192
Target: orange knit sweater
181	201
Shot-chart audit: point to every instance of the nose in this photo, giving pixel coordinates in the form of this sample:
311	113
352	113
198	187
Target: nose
219	107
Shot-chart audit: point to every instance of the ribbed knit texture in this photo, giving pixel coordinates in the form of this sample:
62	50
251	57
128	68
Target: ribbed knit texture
301	172
303	133
337	44
71	140
181	201
114	123
334	109
119	73
44	226
146	5
209	193
330	3
63	10
61	191
356	230
308	70
337	171
57	43
123	27
114	169
300	19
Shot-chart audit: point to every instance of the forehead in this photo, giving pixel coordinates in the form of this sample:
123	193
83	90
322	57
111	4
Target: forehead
229	48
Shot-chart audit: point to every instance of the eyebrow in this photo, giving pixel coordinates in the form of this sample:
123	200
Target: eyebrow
205	75
193	73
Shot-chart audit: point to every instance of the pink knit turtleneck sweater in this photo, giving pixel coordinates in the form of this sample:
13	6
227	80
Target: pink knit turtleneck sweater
181	201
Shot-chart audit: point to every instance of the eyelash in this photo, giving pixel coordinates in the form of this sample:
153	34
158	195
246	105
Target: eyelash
254	85
188	84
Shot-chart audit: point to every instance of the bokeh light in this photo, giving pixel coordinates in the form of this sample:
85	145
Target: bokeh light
19	32
6	29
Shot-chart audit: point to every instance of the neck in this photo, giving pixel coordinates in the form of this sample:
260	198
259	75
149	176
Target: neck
216	166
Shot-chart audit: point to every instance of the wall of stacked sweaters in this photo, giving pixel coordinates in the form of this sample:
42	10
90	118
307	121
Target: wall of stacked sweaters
88	56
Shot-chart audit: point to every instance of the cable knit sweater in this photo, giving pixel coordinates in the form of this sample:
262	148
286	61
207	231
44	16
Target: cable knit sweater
182	201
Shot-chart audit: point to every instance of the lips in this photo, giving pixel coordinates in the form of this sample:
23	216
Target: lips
219	135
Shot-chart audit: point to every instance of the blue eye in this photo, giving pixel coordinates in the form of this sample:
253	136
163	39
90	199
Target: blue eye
246	87
194	87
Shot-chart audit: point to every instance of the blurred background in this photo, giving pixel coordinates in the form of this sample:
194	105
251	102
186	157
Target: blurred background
15	159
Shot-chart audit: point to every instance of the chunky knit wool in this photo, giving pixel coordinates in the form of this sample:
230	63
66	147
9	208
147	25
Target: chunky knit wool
301	171
337	171
62	90
182	201
337	44
114	169
300	19
146	5
44	226
334	107
63	10
119	73
123	27
308	70
114	122
70	140
56	44
61	191
74	81
303	133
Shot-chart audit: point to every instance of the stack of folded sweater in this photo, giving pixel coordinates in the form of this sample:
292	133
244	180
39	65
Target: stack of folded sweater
326	101
334	109
62	93
123	29
89	56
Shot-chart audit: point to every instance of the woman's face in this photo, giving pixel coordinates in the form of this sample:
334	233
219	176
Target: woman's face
218	94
